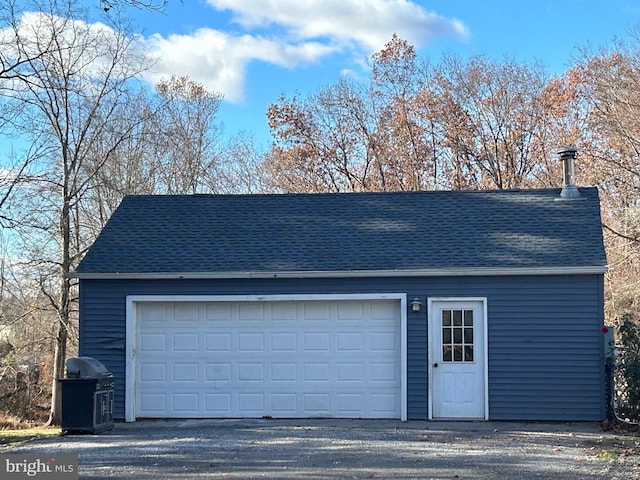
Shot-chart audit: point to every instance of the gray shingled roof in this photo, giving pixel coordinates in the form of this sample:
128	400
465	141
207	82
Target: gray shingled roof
349	232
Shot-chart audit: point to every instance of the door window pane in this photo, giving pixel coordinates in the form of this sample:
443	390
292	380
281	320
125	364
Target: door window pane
468	336
468	353
446	336
457	336
457	353
446	353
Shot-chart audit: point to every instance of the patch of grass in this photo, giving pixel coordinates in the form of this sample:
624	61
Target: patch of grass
607	455
12	437
615	448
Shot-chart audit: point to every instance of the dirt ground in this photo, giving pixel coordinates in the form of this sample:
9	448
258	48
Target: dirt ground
349	449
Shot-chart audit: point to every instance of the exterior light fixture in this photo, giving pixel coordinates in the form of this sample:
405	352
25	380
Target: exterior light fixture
416	304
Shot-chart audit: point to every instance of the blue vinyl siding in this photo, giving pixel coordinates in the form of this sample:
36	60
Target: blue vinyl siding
544	333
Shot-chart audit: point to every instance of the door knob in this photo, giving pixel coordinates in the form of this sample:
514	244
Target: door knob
435	365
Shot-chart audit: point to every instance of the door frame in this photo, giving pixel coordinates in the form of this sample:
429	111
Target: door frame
430	348
132	302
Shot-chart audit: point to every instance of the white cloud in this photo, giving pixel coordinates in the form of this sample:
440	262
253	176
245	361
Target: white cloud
368	23
218	60
290	33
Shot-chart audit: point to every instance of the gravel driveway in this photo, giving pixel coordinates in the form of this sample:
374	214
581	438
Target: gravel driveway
349	449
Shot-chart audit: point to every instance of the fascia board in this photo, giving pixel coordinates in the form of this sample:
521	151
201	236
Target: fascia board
435	272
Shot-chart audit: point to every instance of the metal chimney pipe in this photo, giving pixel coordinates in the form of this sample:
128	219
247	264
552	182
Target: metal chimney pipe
568	157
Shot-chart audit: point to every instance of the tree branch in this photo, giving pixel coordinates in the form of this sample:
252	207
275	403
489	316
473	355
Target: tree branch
621	235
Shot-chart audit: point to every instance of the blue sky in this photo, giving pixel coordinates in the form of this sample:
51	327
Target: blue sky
251	51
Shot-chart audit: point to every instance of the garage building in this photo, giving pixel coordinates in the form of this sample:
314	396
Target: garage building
408	305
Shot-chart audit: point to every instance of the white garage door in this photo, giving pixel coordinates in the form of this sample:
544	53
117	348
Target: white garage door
268	358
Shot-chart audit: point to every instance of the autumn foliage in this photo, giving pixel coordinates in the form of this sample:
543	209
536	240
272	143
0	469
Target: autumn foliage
413	124
475	123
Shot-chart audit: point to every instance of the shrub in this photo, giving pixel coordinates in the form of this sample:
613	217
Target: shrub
627	376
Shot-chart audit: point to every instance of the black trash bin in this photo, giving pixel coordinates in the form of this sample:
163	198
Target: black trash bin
87	396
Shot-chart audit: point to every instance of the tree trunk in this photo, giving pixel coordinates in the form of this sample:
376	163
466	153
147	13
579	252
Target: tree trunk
59	356
62	325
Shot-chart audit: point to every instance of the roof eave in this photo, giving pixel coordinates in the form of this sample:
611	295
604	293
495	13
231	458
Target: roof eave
429	272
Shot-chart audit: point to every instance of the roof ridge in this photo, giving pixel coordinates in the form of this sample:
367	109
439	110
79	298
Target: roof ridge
360	193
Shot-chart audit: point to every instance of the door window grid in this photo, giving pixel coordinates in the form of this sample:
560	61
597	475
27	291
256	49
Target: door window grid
457	336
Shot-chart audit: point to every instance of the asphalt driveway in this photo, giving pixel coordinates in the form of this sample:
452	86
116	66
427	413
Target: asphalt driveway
349	449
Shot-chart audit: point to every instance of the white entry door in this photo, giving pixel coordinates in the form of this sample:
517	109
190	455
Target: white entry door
457	353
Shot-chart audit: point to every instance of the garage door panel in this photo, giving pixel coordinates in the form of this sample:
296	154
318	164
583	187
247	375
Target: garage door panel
217	404
384	341
152	312
185	372
315	311
350	311
251	359
185	312
383	311
316	372
317	402
350	403
152	372
250	372
384	404
251	342
350	372
283	342
153	342
283	312
185	403
153	403
383	372
185	342
250	404
218	342
251	312
284	372
316	342
218	312
215	373
350	342
284	404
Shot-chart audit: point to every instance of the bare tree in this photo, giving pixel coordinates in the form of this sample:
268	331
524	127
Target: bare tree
132	167
473	124
241	167
322	143
405	150
610	86
353	136
187	135
24	329
491	113
69	98
16	52
155	5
